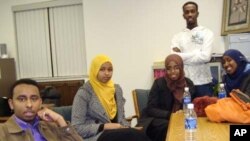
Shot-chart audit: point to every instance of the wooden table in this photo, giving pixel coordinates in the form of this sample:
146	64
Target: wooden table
206	130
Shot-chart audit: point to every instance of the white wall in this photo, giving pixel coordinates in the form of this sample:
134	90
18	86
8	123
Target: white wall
134	33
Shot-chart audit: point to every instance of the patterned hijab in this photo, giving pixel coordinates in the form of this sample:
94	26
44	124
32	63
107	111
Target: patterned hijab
234	81
104	91
176	86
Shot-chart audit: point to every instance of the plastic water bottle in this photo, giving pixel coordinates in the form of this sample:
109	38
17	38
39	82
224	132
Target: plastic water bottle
186	99
222	92
190	124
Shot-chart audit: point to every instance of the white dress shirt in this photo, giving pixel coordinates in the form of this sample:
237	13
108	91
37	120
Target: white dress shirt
196	51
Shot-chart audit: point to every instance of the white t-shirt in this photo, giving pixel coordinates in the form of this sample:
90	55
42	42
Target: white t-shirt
196	51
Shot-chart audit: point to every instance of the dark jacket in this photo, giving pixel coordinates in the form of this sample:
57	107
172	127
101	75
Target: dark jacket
10	131
245	86
160	102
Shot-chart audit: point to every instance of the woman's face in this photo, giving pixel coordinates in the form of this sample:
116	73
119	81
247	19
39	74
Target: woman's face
105	72
229	65
173	70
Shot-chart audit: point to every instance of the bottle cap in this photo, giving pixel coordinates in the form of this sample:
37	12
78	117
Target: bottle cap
190	106
221	85
186	89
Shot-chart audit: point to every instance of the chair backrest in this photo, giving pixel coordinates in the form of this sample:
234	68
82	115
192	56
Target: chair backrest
65	111
51	95
140	98
5	108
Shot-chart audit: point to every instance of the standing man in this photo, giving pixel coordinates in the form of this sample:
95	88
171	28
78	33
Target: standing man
31	123
194	45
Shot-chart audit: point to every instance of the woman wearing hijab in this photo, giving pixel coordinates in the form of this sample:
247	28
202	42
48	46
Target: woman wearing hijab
237	70
165	97
98	107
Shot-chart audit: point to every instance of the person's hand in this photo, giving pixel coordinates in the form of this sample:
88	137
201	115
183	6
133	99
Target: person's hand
176	49
138	128
51	116
113	126
179	111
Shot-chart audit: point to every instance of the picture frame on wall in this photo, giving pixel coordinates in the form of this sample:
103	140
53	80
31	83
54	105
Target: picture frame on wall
236	17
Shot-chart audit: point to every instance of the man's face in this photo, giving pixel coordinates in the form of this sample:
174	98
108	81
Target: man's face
190	14
105	73
26	102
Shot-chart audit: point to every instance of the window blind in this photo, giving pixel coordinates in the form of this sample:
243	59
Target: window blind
50	41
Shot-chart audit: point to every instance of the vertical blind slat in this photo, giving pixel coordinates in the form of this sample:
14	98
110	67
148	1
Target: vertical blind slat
69	37
32	44
51	40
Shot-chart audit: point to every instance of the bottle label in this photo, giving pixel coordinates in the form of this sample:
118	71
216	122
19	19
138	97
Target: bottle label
187	100
221	94
190	123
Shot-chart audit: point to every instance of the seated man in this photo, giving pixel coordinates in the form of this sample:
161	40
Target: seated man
31	123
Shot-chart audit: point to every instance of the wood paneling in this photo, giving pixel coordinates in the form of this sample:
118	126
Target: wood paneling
7	75
67	89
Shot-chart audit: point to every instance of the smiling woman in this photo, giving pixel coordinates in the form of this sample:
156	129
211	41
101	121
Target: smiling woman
165	98
237	71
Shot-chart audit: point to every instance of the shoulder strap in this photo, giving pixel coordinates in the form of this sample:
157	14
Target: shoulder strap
242	99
